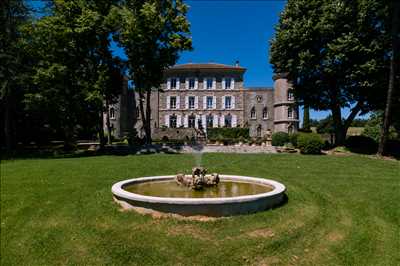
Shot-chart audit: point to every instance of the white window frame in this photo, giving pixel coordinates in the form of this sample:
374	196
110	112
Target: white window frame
170	102
230	103
194	102
112	114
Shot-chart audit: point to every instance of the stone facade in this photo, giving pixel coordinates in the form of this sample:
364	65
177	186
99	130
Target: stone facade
201	96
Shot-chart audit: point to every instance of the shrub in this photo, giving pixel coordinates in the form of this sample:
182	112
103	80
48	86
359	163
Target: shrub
235	134
361	144
293	139
310	143
280	138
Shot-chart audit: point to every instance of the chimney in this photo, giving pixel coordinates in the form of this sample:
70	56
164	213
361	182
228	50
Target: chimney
237	63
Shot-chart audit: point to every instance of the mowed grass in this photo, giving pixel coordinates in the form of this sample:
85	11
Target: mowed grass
341	211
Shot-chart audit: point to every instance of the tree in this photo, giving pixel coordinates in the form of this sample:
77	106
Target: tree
394	59
13	14
77	73
152	33
306	118
334	53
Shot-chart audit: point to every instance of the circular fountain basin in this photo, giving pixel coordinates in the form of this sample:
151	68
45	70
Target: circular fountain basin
233	195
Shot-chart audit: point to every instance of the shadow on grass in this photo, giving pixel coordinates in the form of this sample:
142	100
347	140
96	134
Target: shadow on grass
115	150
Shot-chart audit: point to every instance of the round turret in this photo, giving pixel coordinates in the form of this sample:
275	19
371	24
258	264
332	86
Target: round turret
286	118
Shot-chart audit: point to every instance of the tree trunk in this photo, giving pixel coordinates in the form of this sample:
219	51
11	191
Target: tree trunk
101	129
9	121
108	123
69	142
306	118
340	135
142	113
148	115
392	76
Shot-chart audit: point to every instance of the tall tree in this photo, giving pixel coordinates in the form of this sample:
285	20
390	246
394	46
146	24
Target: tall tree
306	118
77	73
152	33
334	53
13	14
394	61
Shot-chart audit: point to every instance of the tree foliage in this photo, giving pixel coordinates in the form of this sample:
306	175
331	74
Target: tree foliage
335	54
152	33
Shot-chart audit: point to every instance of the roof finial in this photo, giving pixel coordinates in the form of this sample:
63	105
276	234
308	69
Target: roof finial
237	63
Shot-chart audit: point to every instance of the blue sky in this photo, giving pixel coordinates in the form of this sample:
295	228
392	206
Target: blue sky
224	31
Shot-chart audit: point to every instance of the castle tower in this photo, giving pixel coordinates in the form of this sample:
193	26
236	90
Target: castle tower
286	115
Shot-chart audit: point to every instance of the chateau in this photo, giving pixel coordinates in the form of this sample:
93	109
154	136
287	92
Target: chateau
201	96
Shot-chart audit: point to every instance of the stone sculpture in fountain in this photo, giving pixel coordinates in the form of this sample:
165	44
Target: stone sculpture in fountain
198	180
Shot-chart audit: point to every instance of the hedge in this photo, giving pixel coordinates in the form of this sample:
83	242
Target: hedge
280	138
361	144
234	133
310	143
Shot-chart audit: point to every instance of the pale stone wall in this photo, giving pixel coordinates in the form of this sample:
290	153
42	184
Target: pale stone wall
259	99
282	122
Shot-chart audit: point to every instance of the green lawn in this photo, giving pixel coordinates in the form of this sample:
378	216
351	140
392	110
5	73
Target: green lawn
341	211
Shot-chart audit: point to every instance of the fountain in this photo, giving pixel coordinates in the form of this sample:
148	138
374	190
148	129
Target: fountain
200	194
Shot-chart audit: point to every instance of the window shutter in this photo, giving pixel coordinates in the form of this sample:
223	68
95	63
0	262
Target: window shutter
223	102
204	121
222	120
214	83
214	102
204	102
196	122
234	121
169	84
177	83
232	83
167	120
187	102
196	83
196	102
187	83
178	102
223	83
215	121
204	83
232	102
168	102
185	121
178	120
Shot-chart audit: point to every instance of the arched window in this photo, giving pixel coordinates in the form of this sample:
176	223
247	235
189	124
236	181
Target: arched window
228	120
259	128
172	121
290	112
290	95
253	113
265	113
112	113
191	121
